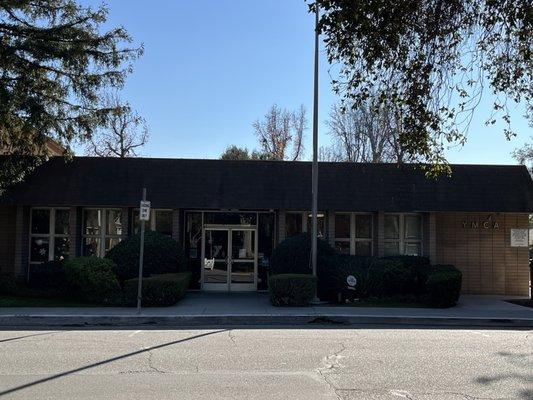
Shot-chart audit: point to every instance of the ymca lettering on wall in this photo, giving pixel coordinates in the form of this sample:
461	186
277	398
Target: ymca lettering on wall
485	224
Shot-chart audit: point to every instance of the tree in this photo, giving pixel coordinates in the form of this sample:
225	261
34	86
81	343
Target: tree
361	135
431	60
55	63
234	152
281	133
124	133
524	155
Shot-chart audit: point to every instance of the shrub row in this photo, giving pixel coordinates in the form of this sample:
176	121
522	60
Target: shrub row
294	290
397	276
158	290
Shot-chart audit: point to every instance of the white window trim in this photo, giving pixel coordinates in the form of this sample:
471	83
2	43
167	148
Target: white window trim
352	239
402	240
51	234
103	228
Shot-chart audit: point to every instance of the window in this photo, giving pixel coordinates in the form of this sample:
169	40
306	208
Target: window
102	230
353	234
321	224
293	224
49	234
403	234
160	221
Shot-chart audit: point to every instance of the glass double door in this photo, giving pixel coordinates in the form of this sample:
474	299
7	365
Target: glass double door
229	259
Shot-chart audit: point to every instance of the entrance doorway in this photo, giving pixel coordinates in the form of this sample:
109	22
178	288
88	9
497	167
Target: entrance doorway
229	258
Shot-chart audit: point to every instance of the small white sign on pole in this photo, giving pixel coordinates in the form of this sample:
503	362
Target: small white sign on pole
519	238
144	213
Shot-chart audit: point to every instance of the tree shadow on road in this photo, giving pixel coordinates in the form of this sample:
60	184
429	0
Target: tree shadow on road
103	362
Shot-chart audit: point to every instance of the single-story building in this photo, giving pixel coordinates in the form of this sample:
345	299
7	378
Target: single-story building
229	215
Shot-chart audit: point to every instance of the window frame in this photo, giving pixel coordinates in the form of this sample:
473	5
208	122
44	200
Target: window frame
102	235
402	240
152	223
353	239
305	216
51	235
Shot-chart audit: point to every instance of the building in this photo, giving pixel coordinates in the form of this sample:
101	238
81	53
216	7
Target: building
229	215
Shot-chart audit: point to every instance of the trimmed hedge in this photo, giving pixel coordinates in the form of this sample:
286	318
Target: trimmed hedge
8	284
162	255
388	278
343	265
92	279
158	290
49	276
443	286
417	267
293	256
292	290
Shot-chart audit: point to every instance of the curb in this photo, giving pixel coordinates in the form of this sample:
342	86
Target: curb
255	319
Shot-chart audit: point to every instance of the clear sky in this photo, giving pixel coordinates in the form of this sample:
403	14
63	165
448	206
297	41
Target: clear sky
212	67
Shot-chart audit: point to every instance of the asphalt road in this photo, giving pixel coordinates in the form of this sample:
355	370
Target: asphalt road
263	363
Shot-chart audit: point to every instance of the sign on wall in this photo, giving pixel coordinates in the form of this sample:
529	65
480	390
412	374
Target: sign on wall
519	238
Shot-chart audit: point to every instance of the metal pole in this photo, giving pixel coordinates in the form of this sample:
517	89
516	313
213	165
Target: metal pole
141	257
314	183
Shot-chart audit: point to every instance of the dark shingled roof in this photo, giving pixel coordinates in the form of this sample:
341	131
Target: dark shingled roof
184	183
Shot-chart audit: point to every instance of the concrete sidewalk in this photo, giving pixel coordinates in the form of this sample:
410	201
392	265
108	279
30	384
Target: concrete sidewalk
201	309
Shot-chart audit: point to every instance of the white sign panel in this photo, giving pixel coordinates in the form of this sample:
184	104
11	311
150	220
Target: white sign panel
144	213
351	280
519	238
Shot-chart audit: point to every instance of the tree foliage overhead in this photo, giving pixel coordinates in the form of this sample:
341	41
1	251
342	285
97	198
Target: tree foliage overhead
55	62
432	60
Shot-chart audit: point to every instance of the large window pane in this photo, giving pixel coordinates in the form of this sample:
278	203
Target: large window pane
392	226
363	226
363	248
342	247
39	249
342	226
413	249
321	225
91	247
61	247
392	248
114	222
92	222
40	221
293	224
110	243
413	227
163	222
62	222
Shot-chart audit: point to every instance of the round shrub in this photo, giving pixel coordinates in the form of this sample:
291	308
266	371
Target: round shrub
387	278
343	265
291	290
417	268
443	286
162	254
157	290
293	256
93	279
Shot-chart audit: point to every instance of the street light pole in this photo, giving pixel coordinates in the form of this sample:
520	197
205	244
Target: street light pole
314	178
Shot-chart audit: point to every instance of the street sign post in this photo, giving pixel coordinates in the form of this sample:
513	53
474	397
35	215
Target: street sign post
144	215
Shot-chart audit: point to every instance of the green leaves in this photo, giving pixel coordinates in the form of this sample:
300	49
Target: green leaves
431	60
55	64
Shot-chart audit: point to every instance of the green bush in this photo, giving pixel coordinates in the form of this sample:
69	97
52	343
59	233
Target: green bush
162	254
93	279
388	278
8	284
443	286
293	256
157	290
417	268
49	276
293	290
340	267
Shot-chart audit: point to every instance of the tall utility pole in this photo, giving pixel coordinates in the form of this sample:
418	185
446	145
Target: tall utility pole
314	179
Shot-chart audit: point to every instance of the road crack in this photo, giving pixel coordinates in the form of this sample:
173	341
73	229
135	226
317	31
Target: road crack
331	365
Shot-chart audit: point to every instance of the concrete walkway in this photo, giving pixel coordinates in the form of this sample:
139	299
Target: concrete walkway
201	308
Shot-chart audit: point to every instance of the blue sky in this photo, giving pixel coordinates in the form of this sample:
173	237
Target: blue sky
211	68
